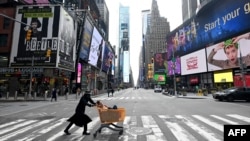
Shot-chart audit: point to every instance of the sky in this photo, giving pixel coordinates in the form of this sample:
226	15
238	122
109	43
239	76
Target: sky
170	9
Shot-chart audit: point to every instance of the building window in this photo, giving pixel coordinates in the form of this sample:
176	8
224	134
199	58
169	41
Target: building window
6	23
3	40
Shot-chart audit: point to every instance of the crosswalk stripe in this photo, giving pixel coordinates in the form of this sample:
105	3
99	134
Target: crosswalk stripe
209	122
149	122
225	120
181	128
77	135
246	119
12	134
128	123
44	130
3	131
180	133
11	123
207	134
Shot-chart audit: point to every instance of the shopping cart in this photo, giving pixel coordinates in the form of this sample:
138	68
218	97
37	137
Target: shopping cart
110	116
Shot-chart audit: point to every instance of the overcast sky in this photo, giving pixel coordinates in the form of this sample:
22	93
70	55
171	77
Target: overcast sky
170	9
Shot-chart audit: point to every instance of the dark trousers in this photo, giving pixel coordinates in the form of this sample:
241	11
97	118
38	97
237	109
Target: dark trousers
85	127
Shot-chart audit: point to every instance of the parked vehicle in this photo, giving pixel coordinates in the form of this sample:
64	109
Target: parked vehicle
234	93
157	88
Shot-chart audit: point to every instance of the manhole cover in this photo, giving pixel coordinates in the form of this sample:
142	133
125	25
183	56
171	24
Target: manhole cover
139	131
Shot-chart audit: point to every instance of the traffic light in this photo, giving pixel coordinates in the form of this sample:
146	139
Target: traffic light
28	35
48	53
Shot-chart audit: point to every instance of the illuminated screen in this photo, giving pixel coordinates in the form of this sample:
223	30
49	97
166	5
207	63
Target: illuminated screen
160	77
223	77
194	63
79	72
225	58
96	47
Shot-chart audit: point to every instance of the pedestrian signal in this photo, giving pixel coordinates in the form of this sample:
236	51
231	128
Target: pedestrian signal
28	35
48	53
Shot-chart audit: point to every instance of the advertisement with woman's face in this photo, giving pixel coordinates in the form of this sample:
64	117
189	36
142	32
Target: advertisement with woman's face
194	63
227	54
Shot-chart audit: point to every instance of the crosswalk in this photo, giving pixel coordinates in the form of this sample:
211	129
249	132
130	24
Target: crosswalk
122	98
144	127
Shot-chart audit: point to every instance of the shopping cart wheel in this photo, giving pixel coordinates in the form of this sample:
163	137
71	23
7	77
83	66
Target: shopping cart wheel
121	132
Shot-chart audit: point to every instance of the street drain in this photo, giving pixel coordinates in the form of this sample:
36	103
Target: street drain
139	131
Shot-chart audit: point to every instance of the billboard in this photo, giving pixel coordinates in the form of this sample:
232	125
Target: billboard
160	63
174	66
160	77
86	39
126	66
46	23
37	1
194	63
222	20
95	54
107	57
227	54
222	77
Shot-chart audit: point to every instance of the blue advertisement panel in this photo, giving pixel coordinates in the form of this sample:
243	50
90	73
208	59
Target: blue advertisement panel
87	35
107	57
222	20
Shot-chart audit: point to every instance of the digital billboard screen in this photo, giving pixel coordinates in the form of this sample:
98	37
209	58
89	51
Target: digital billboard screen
87	35
194	63
222	77
160	62
160	77
174	67
227	54
224	19
107	58
96	47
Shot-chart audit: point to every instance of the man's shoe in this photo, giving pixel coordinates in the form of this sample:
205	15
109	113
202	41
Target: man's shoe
85	133
66	132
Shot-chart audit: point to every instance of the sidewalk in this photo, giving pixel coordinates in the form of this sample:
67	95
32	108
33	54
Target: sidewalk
190	95
11	106
30	99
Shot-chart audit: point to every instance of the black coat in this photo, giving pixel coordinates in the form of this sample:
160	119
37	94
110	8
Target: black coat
80	118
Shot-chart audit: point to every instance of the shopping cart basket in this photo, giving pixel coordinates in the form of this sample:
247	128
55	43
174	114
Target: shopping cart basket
110	116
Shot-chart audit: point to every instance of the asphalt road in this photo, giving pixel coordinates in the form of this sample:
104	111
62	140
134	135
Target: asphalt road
149	117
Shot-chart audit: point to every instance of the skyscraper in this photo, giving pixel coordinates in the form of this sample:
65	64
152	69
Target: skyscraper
124	44
156	34
103	22
188	9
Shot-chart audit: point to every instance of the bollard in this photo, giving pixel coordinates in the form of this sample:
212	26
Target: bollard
66	95
15	97
25	95
7	95
45	95
34	95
